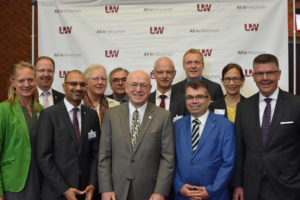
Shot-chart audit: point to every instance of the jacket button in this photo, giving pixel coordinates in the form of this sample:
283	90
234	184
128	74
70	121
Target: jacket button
132	160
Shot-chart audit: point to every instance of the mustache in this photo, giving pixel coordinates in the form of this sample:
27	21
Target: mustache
77	91
165	79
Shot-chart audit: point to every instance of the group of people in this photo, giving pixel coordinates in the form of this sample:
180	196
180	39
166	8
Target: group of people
182	141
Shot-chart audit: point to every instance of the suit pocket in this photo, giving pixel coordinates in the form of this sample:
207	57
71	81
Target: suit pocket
7	159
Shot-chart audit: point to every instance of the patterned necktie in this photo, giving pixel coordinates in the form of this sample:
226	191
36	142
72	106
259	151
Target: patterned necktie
135	127
266	120
162	103
195	134
45	99
76	124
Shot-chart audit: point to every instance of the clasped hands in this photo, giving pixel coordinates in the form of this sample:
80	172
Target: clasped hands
70	194
194	192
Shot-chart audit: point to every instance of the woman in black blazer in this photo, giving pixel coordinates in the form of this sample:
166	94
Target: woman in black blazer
232	79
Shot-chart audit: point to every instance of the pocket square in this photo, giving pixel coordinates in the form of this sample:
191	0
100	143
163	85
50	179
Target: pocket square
288	122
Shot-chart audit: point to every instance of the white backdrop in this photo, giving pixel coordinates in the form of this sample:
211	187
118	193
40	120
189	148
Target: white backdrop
133	34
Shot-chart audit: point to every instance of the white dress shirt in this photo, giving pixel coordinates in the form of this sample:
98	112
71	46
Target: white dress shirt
202	120
167	99
50	97
70	112
141	110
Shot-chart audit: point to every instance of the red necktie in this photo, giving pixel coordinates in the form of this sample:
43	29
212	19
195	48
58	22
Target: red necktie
162	103
76	124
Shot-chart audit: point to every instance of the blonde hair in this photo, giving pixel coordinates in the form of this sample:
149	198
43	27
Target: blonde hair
11	96
192	51
87	72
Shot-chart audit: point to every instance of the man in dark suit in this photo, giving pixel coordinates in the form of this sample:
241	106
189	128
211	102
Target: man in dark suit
117	81
268	140
67	145
164	97
136	158
193	66
44	68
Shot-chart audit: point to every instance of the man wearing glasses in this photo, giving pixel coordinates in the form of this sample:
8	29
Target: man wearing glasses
268	140
205	149
44	73
117	80
67	144
136	157
164	73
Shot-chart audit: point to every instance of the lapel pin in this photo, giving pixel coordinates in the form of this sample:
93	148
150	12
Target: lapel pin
150	117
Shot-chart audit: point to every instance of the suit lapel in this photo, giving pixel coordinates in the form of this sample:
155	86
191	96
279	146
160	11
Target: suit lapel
145	124
18	113
279	110
83	131
255	119
187	130
69	126
124	121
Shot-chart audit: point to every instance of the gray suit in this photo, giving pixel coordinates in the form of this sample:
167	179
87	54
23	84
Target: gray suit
150	167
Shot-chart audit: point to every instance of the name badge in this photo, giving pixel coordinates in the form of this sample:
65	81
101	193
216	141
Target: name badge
92	135
219	112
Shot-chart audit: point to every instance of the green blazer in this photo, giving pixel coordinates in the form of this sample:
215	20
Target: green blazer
15	148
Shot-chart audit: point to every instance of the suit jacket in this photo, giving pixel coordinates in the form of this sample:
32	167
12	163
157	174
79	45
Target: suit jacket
63	162
211	165
279	157
150	167
177	104
214	88
15	148
57	96
221	104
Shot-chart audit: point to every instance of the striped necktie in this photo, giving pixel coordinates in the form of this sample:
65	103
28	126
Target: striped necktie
195	134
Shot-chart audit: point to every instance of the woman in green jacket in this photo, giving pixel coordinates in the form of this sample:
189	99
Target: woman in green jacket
19	174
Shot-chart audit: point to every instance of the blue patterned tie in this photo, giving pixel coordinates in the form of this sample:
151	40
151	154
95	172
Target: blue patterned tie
195	134
266	120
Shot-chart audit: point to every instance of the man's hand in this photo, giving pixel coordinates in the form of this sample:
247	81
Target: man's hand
201	194
238	193
188	190
156	196
70	194
108	196
89	191
2	198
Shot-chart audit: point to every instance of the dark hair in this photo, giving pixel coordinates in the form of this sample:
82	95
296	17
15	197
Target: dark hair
196	84
44	57
69	72
264	59
232	66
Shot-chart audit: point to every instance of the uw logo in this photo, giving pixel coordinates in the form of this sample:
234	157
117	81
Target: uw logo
111	9
62	74
206	52
111	53
203	7
248	72
65	29
157	30
251	27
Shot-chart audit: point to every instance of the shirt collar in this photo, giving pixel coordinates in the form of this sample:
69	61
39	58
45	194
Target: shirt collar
158	93
41	91
273	96
141	109
69	106
125	98
188	79
202	118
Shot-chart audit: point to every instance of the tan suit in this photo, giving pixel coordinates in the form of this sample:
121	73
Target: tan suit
150	167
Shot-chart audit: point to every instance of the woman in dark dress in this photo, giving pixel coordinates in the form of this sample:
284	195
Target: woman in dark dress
19	173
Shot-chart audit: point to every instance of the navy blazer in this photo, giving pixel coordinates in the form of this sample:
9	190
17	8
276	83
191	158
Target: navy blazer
211	165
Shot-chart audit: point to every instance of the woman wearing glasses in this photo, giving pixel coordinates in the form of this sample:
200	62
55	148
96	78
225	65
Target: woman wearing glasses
19	173
232	79
95	98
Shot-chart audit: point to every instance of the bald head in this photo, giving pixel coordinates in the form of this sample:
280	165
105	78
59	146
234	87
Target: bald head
138	87
164	73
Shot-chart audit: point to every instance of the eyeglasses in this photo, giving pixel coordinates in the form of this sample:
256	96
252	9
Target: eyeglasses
117	80
143	86
74	84
267	73
170	72
98	78
234	79
45	70
195	62
197	98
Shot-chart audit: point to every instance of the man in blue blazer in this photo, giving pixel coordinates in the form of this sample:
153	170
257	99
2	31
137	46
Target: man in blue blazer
205	149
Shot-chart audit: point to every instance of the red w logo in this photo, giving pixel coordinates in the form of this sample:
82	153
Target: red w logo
251	27
157	30
65	29
111	53
111	9
203	7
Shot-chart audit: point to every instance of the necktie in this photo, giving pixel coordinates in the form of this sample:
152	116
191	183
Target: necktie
135	127
162	103
266	120
76	124
45	99
195	134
